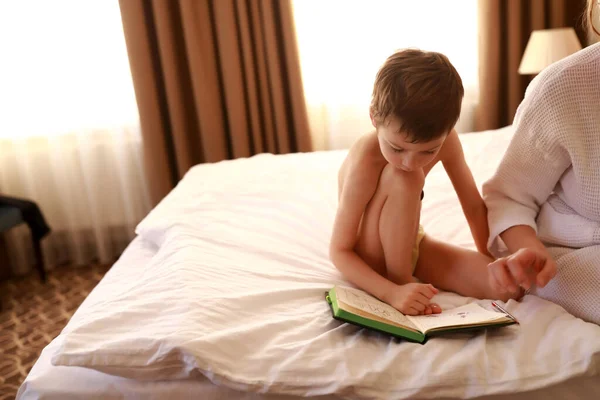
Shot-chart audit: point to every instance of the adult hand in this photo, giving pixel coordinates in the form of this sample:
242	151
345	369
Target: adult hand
524	268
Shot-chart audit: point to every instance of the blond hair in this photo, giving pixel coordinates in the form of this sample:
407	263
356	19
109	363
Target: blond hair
589	17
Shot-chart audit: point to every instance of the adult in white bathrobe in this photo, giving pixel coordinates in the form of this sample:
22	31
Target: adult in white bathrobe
544	199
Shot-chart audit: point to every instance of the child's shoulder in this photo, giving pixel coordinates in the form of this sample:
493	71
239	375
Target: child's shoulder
365	148
364	156
451	147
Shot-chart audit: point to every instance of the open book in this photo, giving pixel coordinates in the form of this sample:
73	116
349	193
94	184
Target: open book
358	307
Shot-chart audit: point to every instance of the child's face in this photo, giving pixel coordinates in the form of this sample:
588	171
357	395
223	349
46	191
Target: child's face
400	152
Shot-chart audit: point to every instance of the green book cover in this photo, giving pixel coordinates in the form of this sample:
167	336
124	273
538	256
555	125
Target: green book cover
359	308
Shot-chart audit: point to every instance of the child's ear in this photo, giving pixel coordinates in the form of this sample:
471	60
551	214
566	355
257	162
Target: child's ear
373	120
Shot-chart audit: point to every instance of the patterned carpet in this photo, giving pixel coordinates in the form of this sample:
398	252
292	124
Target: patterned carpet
33	314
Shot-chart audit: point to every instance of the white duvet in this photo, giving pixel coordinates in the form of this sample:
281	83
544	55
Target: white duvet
236	293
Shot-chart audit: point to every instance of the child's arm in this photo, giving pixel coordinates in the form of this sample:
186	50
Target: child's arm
470	199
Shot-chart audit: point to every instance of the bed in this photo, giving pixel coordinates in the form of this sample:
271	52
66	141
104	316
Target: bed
220	296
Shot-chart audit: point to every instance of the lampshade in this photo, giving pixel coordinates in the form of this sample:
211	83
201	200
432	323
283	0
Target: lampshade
546	47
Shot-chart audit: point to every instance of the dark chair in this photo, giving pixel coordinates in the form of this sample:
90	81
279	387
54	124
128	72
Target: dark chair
9	218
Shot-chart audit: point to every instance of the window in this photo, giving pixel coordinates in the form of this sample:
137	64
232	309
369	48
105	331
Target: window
64	68
69	127
342	44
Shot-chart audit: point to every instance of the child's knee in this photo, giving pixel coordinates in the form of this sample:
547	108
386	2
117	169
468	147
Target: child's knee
402	183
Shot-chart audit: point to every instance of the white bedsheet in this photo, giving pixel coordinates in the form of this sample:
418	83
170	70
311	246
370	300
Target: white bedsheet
48	382
235	293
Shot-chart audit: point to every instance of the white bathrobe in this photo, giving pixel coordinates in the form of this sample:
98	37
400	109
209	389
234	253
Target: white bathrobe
549	179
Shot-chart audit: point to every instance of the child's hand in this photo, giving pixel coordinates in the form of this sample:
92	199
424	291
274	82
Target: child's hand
522	269
413	299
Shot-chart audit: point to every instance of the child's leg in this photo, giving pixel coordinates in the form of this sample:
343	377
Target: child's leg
389	229
398	229
389	226
456	269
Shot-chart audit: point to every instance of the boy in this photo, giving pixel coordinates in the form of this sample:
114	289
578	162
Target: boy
377	242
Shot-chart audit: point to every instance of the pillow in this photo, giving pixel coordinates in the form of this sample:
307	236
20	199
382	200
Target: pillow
209	184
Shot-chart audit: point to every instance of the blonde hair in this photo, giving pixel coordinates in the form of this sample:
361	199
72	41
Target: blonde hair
590	18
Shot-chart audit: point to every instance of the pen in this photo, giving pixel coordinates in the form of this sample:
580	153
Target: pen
498	306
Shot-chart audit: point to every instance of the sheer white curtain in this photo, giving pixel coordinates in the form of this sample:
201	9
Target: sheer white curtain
69	131
342	44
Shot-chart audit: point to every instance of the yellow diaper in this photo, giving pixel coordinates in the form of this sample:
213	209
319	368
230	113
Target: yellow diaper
415	250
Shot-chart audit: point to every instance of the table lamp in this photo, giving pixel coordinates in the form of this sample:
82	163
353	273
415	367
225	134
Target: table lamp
547	46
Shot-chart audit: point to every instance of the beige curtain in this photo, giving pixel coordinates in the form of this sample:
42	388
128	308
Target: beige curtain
505	26
214	80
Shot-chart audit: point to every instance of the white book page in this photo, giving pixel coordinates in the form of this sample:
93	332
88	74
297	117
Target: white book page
468	314
365	302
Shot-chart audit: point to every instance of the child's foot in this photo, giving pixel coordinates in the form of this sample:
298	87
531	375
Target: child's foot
432	308
413	299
